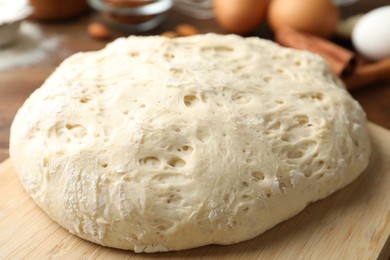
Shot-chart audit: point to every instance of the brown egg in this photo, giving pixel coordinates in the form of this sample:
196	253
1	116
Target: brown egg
318	17
240	16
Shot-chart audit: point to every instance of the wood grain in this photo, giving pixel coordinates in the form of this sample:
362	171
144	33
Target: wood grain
353	223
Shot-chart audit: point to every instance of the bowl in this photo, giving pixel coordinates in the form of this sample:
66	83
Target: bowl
133	15
52	10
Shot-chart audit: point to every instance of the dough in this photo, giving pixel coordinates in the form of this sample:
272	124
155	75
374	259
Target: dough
156	144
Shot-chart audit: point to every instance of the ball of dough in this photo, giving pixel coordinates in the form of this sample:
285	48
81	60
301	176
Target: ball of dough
156	144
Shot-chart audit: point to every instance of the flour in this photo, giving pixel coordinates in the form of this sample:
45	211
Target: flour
11	11
31	47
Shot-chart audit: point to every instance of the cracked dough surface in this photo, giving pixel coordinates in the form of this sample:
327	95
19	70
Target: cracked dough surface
156	144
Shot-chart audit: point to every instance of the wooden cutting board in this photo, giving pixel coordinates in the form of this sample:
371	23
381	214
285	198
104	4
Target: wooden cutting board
353	223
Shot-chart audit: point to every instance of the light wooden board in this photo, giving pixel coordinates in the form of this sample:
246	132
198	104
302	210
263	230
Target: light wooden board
353	223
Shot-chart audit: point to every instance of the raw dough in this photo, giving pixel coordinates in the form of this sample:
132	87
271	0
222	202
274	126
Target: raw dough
157	144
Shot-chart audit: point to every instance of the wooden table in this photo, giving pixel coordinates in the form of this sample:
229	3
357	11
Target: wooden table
16	85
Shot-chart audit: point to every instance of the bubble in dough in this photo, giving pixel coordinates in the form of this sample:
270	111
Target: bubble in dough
156	144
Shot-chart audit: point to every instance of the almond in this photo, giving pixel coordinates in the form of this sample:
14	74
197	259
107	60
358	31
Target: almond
99	31
169	34
186	30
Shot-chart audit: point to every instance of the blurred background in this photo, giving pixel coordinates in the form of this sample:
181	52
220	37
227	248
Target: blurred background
65	27
353	36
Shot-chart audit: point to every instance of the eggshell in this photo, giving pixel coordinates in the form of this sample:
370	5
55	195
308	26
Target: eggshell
371	35
240	16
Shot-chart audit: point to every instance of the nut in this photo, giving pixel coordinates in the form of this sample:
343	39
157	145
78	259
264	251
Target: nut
99	31
186	30
169	34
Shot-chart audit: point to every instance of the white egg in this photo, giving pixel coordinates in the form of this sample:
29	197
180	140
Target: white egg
371	35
